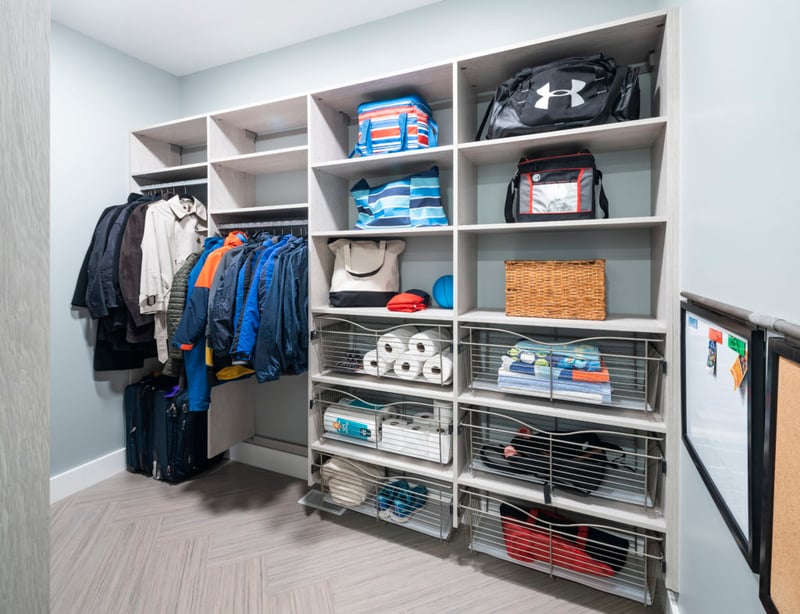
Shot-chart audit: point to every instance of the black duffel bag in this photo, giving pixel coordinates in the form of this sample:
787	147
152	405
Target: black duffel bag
576	461
569	93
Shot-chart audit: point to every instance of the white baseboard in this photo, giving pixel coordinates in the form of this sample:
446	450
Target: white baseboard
76	479
270	459
672	601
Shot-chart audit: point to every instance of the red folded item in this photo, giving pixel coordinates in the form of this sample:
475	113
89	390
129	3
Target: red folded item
409	301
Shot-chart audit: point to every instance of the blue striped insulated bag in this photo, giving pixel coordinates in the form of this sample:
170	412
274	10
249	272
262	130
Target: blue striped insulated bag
399	124
412	201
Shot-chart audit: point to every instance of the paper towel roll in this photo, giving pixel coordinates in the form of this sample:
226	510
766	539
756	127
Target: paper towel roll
393	435
424	418
439	369
428	442
443	412
395	342
356	425
374	365
430	341
408	366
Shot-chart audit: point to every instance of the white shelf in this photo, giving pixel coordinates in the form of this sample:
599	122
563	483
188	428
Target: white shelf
265	162
173	173
623	223
272	117
625	418
391	385
621	323
397	462
432	313
607	510
427	231
261	211
636	134
403	162
190	132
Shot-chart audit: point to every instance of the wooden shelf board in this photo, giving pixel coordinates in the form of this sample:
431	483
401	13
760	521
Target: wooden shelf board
624	223
173	173
265	162
189	132
635	134
622	323
403	162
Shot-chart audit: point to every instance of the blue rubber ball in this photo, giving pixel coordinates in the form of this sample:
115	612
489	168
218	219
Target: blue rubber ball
443	291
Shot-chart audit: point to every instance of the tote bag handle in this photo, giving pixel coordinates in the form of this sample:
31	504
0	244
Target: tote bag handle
348	265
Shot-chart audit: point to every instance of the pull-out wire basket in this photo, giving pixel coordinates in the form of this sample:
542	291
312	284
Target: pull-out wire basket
415	502
617	559
399	424
566	456
421	352
619	371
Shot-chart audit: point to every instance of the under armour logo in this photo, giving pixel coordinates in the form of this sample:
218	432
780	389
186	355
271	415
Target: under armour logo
575	98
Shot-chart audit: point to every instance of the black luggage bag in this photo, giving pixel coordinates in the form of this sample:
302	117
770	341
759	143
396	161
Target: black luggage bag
180	442
164	439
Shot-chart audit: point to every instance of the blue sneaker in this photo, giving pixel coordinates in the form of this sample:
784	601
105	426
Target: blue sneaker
386	496
407	502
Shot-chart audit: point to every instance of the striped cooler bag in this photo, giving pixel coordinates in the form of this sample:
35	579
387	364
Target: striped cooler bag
399	124
412	201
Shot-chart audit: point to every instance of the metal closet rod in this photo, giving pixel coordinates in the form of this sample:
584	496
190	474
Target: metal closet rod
265	224
174	184
759	319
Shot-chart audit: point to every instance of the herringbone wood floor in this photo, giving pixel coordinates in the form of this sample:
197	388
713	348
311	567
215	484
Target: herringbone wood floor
236	540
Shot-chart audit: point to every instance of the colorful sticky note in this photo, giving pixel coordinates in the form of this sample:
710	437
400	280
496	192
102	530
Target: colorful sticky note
737	345
715	335
738	370
692	322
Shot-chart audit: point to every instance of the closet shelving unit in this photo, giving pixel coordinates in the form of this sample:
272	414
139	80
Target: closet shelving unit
638	243
289	160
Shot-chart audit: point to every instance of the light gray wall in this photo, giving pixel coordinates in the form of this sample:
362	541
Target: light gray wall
24	394
98	96
438	32
739	221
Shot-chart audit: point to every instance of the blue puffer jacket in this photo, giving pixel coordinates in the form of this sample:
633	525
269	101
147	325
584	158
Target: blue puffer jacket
198	389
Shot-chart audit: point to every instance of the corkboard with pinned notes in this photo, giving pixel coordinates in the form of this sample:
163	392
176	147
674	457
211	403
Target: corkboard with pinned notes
779	586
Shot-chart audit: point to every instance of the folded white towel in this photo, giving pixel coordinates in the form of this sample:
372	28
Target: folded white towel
430	341
408	366
439	369
349	482
395	342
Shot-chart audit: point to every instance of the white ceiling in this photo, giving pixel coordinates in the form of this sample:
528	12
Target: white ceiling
185	36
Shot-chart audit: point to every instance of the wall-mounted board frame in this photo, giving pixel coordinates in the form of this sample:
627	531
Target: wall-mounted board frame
780	554
722	410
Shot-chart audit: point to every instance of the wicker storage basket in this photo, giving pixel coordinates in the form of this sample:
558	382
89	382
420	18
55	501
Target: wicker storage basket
570	289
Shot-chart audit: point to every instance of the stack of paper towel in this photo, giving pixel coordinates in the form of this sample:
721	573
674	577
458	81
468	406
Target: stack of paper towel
410	354
421	436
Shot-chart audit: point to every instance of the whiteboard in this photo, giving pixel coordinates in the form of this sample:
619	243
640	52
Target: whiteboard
720	427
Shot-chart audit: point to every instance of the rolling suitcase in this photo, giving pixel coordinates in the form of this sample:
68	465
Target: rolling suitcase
141	401
180	440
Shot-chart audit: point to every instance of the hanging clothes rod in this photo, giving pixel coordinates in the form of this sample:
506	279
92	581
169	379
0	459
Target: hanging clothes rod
265	225
174	184
759	319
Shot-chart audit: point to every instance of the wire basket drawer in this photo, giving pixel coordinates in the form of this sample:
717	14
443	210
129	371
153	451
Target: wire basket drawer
565	455
419	353
610	557
616	371
417	503
399	424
